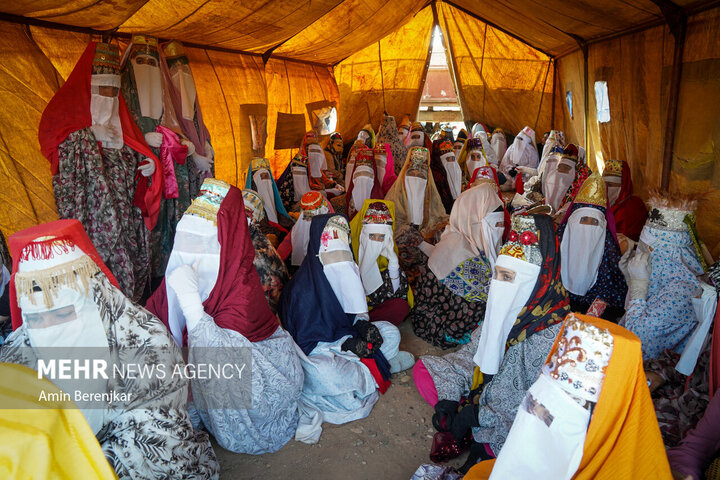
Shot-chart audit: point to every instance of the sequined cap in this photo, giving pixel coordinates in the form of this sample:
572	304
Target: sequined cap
593	191
419	159
312	201
259	164
254	205
336	228
377	213
300	160
365	156
311	138
579	363
445	147
335	136
380	149
613	168
416	127
474	144
524	240
106	60
207	204
174	49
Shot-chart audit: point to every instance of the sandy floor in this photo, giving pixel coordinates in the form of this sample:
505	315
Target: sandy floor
390	444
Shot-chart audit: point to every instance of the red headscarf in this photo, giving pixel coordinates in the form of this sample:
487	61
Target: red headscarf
629	211
61	229
69	111
377	191
237	302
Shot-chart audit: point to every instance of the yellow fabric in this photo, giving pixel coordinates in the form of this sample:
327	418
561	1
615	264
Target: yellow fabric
355	228
291	86
434	216
348	28
37	441
500	79
623	439
28	82
361	84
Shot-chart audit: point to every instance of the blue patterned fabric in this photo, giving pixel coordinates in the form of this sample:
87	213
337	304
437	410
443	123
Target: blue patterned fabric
470	280
610	285
666	318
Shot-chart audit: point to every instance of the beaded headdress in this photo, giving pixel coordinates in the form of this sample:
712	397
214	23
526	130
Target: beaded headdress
524	240
207	204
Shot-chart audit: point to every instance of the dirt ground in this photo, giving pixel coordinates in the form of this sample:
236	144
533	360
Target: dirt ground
389	444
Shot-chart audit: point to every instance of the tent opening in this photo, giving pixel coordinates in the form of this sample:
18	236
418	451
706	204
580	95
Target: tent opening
440	101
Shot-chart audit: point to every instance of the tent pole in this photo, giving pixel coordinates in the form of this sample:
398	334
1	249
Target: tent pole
552	112
542	93
677	22
436	23
584	47
452	65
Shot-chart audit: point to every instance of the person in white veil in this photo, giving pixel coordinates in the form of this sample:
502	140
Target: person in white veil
480	132
521	156
498	142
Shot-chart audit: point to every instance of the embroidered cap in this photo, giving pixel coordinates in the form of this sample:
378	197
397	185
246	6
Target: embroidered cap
524	240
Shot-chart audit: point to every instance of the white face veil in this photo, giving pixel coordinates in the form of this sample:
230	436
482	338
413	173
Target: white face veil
614	186
472	164
343	275
148	81
499	144
368	252
555	184
72	324
493	227
300	235
363	180
416	139
453	173
380	164
316	160
415	190
583	244
104	111
505	300
301	183
196	243
182	79
265	189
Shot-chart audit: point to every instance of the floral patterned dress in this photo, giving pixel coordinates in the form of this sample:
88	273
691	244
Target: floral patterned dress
273	272
447	311
97	187
150	435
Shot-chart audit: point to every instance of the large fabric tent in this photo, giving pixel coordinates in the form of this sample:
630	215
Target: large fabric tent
514	63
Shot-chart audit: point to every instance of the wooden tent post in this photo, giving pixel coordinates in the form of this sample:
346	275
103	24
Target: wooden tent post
542	93
676	19
584	47
552	112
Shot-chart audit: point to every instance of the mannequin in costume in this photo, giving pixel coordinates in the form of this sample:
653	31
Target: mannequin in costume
104	173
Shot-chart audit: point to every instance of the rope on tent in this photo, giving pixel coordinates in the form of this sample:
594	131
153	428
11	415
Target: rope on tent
542	93
482	61
382	77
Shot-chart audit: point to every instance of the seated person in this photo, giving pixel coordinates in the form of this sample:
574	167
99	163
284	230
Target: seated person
63	298
260	179
447	173
364	183
345	357
334	158
317	166
385	166
591	275
388	295
295	245
629	210
212	297
587	416
450	296
294	182
522	154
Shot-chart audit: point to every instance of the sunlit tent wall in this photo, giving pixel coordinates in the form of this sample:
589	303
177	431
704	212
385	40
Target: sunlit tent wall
261	64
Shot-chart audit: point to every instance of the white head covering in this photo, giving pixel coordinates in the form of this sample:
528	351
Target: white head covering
196	244
265	189
301	183
105	111
415	189
554	183
505	300
468	232
453	173
316	160
83	328
582	250
363	181
341	271
499	144
300	234
148	81
369	251
522	152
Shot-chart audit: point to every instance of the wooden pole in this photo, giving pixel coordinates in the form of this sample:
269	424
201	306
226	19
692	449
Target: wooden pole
554	87
584	47
542	93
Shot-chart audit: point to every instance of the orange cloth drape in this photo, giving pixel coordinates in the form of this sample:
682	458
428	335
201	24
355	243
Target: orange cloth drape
623	440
